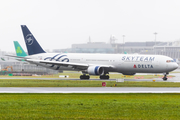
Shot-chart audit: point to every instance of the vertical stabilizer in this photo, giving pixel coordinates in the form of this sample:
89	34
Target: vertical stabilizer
19	51
32	45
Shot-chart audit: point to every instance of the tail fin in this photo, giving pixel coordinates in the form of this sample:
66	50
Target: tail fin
32	45
19	51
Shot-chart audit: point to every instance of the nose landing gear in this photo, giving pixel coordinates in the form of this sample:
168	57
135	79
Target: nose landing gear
165	76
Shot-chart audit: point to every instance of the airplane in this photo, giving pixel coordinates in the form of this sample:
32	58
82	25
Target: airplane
96	64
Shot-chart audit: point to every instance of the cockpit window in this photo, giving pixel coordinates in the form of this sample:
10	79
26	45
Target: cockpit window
168	61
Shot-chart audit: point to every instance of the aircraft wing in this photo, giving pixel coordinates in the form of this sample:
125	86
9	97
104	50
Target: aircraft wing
66	64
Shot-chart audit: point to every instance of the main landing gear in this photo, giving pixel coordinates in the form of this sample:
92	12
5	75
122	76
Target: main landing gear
84	77
87	77
104	77
165	76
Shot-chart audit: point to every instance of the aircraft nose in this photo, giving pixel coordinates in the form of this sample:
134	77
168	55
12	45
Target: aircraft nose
172	67
175	66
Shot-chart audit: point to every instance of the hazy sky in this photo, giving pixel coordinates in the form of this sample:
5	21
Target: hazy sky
57	24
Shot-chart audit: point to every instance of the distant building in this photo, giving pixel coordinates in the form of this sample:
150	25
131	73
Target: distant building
21	66
133	47
171	49
90	47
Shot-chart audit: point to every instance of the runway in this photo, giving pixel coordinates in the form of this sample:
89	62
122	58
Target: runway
89	90
170	79
95	89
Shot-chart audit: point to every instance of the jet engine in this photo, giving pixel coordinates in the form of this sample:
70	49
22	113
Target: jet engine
95	70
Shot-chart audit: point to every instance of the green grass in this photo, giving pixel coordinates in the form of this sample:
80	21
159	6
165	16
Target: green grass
90	106
81	83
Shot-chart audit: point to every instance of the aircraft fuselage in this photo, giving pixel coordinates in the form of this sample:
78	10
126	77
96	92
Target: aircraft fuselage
123	63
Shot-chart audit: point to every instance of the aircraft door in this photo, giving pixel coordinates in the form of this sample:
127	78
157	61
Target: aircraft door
160	65
82	60
121	65
157	64
166	66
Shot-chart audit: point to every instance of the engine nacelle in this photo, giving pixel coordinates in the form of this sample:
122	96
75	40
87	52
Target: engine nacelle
128	73
95	70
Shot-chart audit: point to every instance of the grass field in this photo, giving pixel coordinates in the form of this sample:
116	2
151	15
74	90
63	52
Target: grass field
81	83
90	106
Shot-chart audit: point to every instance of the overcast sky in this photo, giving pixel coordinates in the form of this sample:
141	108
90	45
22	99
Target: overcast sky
57	24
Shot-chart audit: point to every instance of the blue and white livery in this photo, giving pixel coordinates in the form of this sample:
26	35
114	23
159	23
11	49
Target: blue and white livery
96	64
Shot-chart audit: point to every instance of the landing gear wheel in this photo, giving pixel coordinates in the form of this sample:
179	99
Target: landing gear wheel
165	76
84	77
104	77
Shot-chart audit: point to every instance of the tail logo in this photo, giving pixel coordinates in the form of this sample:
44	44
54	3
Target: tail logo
18	50
29	39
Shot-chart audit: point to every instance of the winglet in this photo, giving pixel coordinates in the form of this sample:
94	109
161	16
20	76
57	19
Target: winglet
32	45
